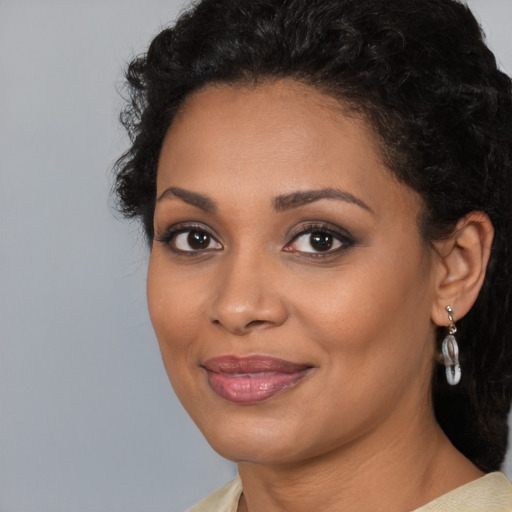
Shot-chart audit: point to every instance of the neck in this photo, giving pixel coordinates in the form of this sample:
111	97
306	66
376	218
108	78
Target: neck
380	472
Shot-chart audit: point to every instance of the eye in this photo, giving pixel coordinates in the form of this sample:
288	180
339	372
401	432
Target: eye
190	239
318	240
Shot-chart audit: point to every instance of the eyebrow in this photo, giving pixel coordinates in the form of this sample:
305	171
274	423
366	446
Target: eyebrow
193	198
281	203
296	199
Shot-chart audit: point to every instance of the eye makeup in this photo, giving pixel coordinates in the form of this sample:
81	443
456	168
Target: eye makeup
317	239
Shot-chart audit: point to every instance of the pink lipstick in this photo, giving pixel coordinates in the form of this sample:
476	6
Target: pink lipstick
248	380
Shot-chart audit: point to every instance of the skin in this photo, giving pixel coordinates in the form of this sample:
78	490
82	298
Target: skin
360	426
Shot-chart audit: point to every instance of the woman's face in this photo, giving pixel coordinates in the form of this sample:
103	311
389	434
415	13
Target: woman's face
288	285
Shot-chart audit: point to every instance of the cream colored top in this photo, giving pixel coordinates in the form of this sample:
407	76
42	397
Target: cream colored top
491	493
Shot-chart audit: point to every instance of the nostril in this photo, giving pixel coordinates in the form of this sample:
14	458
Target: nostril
243	328
254	323
242	318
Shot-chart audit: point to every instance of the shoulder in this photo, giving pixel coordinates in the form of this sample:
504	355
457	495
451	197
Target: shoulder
491	493
224	499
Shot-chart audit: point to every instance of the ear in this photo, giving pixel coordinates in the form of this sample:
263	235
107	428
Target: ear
460	272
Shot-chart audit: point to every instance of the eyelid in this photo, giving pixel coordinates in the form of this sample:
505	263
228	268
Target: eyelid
169	235
346	239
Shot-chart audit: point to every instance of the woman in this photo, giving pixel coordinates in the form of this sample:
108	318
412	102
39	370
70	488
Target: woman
326	188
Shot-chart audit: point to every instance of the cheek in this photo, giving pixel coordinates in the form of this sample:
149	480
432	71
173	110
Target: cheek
172	304
376	311
173	308
372	325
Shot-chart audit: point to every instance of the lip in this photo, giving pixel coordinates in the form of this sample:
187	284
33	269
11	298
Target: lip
252	379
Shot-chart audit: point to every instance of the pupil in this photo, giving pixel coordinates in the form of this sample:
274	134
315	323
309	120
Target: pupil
198	239
321	241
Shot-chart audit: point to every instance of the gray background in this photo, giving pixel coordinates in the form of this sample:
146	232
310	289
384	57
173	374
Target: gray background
88	421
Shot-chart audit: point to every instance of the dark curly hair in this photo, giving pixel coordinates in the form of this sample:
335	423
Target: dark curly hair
421	75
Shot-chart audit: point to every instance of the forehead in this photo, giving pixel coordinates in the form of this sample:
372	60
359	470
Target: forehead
286	120
278	94
272	138
283	106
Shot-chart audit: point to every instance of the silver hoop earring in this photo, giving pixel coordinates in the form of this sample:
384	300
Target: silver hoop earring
451	352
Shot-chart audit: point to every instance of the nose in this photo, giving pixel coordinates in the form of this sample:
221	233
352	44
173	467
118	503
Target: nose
248	296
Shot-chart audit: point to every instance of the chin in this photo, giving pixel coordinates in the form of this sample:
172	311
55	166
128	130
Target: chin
240	433
247	438
254	451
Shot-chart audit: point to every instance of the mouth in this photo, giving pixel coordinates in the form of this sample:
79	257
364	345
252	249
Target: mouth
248	380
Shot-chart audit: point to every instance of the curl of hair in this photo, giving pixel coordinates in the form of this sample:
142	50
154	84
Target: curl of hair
421	74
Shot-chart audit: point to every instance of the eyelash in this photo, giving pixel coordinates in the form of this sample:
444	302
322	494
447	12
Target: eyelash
346	241
168	238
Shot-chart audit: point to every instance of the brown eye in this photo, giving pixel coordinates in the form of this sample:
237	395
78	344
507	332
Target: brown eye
318	241
198	240
321	241
194	240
